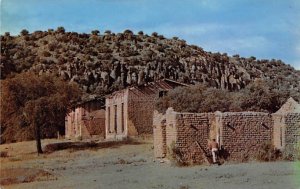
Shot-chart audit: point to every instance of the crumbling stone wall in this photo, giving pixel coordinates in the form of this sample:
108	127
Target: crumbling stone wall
240	134
192	128
178	133
116	118
86	121
141	104
292	135
159	135
244	132
94	122
279	130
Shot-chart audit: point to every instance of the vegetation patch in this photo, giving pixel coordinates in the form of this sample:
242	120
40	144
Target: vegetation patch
24	175
267	152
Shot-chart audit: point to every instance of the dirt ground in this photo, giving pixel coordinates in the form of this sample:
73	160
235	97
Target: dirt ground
132	166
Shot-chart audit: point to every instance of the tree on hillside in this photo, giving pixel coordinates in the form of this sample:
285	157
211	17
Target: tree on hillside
34	103
263	95
60	29
24	32
95	32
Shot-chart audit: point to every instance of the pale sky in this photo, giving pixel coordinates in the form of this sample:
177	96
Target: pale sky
265	29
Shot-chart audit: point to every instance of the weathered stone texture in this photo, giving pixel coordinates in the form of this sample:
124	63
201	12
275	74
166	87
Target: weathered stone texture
159	135
138	105
292	134
86	121
116	117
141	104
192	128
243	133
240	134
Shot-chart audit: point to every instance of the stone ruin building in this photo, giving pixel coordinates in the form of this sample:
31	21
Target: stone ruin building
287	127
239	133
129	112
86	120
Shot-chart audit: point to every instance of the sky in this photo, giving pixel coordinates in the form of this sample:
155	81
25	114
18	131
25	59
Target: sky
265	29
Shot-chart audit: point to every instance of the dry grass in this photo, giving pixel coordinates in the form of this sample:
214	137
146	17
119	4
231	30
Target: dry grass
3	154
22	175
267	152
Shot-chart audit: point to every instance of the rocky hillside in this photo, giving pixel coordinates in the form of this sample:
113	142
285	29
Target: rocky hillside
102	63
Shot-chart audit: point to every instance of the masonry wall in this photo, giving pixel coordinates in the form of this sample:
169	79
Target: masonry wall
243	133
141	104
193	129
159	135
69	125
240	134
279	130
86	121
171	129
116	122
72	124
292	135
93	122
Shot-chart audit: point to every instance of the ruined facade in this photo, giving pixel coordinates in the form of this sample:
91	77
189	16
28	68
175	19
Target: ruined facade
239	133
129	112
86	121
287	127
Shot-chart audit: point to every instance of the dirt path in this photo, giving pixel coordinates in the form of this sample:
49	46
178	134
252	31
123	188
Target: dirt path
132	166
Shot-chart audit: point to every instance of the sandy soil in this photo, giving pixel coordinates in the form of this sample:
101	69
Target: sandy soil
133	166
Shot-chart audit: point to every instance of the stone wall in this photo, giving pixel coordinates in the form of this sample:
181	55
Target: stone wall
177	134
279	130
242	133
116	118
192	136
171	128
94	122
141	104
159	135
138	104
292	135
86	121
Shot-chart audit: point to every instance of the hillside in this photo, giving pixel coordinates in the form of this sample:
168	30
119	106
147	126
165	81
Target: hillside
102	63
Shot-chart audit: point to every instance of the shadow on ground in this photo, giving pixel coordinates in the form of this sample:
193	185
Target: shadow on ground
74	146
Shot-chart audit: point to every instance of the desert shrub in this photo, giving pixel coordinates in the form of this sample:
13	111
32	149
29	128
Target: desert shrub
175	155
154	34
128	32
257	96
107	32
267	152
3	154
95	32
60	29
184	187
24	32
46	54
292	153
52	46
